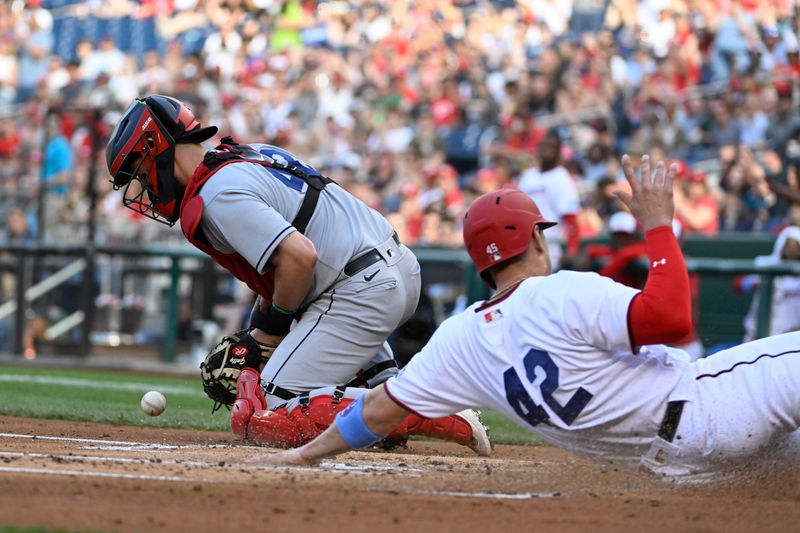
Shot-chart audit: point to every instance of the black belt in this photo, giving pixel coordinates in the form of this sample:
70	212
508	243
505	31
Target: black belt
363	261
672	417
270	388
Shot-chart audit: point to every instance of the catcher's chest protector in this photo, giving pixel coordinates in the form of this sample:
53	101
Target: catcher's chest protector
228	153
192	213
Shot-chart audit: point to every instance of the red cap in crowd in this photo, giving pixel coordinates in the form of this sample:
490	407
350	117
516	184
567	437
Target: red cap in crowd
683	168
697	176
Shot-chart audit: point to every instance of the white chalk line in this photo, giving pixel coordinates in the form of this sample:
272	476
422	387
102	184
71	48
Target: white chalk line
146	477
104	458
334	468
90	384
122	445
344	467
81	473
494	495
128	446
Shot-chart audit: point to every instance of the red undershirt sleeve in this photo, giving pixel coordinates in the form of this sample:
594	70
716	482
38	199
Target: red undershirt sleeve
662	312
570	225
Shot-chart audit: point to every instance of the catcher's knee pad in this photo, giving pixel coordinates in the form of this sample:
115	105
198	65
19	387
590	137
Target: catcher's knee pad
249	398
288	429
275	429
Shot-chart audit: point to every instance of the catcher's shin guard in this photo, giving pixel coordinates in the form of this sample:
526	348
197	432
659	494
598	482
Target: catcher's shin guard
288	429
249	399
464	428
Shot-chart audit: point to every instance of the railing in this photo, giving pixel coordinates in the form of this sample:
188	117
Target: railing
746	266
454	266
25	292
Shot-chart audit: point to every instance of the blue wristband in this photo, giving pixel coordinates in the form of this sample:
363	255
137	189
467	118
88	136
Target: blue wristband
352	427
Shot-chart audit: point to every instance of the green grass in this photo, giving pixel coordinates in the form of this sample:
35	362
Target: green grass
110	397
113	397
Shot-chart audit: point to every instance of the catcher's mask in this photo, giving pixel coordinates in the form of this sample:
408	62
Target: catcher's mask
141	155
498	226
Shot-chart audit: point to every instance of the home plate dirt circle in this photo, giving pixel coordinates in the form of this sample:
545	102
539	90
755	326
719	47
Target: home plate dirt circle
81	476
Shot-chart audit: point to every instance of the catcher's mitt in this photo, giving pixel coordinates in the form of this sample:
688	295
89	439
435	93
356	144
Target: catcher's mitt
223	364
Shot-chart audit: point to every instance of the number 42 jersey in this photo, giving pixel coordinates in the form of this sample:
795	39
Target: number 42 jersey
555	356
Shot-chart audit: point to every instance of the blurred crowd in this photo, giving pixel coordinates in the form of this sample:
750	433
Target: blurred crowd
415	107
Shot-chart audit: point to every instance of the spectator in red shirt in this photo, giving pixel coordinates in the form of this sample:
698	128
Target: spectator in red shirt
445	106
9	138
696	208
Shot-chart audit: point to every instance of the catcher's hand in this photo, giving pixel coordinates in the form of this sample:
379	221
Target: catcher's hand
223	364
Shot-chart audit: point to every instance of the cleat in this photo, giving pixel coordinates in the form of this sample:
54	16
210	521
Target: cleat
480	442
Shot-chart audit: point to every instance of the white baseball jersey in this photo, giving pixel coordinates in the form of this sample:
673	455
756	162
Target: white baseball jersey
556	195
554	355
554	192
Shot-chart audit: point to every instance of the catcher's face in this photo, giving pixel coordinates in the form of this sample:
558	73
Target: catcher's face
142	191
145	168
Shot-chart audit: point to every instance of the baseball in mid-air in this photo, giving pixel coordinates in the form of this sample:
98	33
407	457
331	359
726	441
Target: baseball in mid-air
153	403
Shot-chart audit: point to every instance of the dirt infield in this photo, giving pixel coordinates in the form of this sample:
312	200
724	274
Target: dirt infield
117	478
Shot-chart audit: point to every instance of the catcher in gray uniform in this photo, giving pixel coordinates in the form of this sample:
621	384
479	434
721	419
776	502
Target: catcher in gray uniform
333	280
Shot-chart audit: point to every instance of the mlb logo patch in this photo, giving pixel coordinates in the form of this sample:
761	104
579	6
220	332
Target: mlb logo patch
491	316
494	252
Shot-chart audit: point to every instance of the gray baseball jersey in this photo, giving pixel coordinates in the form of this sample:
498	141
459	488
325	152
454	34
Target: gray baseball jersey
248	209
251	215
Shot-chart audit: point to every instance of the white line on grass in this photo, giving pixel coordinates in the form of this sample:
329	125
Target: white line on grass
140	387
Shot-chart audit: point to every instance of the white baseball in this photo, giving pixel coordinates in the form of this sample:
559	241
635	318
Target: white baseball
153	403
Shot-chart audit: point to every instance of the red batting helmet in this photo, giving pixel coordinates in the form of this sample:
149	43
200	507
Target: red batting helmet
498	226
141	154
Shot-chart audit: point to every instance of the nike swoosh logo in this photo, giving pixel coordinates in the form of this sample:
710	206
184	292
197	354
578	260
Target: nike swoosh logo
369	278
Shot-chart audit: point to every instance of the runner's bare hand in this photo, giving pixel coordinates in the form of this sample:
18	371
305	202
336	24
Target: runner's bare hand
651	199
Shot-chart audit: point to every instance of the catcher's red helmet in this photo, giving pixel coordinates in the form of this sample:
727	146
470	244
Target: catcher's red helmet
498	226
141	154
